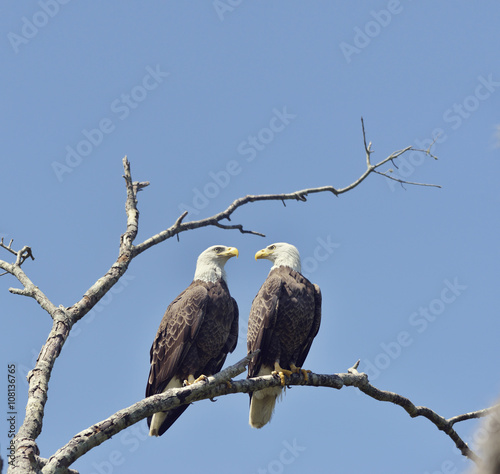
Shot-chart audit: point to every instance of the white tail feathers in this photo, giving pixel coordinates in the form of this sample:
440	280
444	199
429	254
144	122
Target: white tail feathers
263	402
158	418
262	406
156	422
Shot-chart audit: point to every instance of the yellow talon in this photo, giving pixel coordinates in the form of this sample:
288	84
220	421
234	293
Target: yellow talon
305	374
278	370
297	370
191	380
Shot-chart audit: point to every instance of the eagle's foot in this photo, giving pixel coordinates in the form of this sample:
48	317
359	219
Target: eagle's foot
298	370
281	372
191	380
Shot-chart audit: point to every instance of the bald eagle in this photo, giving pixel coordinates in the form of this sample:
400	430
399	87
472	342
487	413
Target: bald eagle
284	319
198	330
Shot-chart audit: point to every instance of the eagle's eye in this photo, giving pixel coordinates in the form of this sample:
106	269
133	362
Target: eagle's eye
271	247
219	249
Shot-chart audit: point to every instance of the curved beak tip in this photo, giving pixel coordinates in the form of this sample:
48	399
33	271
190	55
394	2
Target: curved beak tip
260	254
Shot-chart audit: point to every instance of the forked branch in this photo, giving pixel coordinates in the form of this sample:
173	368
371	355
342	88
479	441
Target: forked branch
300	195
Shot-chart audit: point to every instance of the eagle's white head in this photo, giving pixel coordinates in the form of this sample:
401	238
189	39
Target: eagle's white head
282	255
210	264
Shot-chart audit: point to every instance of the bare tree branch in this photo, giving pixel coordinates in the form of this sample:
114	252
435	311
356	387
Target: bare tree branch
300	195
402	181
414	411
219	385
42	462
15	269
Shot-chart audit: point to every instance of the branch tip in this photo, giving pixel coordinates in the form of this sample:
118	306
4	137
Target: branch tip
179	220
354	368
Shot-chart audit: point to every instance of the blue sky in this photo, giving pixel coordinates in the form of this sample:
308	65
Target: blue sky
215	100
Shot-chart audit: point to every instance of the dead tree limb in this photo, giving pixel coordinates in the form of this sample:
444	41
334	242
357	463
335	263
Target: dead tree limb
222	384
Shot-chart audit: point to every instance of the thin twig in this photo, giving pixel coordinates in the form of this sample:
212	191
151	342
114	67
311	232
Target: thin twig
402	181
368	148
238	227
473	414
8	247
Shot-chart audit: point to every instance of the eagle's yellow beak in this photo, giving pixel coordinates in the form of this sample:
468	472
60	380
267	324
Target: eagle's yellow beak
231	252
264	253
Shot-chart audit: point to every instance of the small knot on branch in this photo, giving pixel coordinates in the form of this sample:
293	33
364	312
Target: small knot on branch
139	185
21	255
301	196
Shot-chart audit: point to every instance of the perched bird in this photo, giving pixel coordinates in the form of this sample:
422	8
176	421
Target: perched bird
284	319
198	330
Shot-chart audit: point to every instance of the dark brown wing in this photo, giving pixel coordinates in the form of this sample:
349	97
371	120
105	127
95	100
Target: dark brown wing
176	334
233	335
262	320
232	339
198	330
217	361
284	319
314	328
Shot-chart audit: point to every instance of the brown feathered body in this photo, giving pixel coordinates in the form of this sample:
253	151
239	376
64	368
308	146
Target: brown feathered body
284	319
198	330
